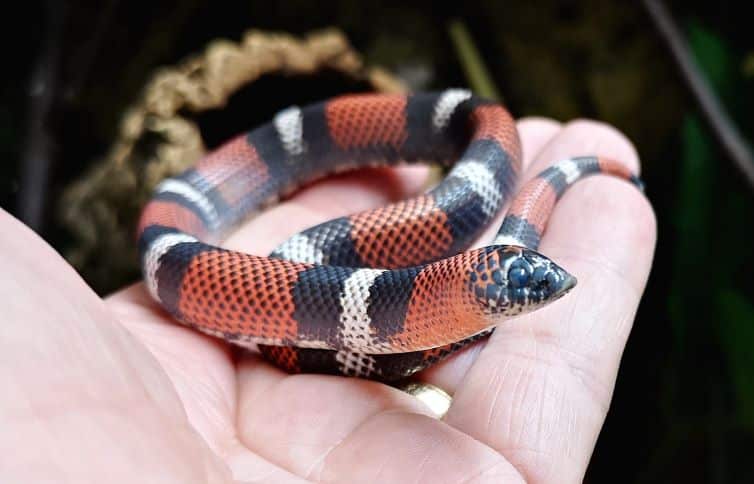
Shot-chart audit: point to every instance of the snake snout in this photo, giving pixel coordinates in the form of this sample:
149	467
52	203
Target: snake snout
511	280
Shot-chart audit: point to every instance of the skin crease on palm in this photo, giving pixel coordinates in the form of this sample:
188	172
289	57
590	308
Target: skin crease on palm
112	390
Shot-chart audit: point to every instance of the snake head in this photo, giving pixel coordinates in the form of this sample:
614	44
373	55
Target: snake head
511	280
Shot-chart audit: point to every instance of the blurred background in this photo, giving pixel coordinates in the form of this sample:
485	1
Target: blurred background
101	99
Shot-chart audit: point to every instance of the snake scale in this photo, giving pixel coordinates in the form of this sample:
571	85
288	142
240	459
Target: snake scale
379	294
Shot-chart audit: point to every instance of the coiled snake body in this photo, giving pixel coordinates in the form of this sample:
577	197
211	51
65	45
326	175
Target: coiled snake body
379	294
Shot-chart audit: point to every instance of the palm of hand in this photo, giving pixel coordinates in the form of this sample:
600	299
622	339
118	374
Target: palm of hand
528	404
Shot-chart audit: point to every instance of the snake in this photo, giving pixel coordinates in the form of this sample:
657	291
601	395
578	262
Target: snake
378	294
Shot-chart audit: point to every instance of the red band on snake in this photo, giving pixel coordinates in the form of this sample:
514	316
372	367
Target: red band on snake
378	294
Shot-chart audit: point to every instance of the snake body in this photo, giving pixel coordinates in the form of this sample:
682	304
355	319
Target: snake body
378	294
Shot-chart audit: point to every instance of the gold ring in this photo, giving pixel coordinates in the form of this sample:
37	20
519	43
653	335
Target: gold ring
434	397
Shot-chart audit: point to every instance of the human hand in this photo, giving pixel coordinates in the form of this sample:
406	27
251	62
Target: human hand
116	390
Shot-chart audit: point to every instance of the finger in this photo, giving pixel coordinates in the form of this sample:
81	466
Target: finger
535	133
541	387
